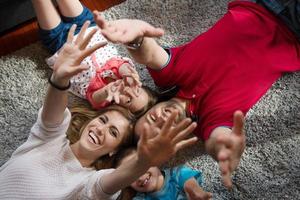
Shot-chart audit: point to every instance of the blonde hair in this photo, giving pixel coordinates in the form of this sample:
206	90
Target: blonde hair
82	114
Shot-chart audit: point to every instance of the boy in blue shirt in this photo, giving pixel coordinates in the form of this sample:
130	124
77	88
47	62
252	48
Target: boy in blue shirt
177	183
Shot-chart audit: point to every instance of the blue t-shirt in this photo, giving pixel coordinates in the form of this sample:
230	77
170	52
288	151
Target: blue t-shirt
173	184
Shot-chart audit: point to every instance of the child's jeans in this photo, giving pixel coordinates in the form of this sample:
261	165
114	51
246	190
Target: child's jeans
287	10
55	38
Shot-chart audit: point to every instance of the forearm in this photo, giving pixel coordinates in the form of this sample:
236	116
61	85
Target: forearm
211	145
55	104
150	53
123	176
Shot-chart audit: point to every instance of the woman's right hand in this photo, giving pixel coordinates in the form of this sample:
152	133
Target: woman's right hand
161	140
72	54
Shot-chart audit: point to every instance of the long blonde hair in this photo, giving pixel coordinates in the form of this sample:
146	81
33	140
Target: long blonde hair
82	114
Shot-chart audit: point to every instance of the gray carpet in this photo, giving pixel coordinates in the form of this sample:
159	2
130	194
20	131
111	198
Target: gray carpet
270	166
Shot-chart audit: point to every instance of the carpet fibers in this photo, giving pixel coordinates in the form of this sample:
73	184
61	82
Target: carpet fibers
270	166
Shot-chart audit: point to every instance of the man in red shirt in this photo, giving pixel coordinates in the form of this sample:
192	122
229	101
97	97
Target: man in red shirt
221	74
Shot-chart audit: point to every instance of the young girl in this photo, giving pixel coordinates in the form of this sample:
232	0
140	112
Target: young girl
179	182
47	166
110	77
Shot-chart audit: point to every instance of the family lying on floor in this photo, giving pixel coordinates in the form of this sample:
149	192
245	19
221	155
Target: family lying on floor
118	142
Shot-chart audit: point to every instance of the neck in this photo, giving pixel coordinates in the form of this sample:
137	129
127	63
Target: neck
82	157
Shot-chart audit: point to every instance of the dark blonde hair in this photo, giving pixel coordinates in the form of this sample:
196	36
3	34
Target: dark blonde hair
82	114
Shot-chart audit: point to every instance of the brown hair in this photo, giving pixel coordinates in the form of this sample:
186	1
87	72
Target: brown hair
152	101
128	192
82	114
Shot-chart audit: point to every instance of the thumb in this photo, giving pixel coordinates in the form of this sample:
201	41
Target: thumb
143	135
99	19
238	122
154	32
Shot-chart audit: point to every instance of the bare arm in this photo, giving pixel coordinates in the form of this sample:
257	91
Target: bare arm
227	146
171	138
67	65
125	31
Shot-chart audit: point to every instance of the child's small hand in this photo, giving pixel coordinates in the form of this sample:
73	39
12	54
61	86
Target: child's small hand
131	78
194	191
72	54
113	90
171	138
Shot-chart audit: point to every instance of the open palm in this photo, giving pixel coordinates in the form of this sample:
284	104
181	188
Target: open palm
72	54
167	140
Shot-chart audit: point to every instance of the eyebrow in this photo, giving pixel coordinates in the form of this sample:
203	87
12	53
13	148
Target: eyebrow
105	117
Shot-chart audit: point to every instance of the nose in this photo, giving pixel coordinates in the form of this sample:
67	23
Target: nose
166	113
124	99
101	130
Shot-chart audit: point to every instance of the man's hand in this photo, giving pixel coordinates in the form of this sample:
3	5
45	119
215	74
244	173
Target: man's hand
158	143
194	191
125	30
227	147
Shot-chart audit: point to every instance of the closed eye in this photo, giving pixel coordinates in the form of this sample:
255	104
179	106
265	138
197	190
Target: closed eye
114	132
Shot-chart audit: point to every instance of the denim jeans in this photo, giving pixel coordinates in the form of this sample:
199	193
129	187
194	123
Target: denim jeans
55	38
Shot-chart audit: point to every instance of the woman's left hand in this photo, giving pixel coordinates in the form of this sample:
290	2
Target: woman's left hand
72	54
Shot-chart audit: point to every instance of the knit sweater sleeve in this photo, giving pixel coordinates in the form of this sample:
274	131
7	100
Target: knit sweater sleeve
41	134
45	132
93	189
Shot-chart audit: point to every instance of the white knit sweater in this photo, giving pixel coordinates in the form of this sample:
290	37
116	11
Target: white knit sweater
44	167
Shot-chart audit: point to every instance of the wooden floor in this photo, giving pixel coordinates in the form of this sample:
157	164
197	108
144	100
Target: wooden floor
27	32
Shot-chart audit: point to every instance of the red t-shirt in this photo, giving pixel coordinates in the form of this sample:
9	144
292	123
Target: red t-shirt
230	66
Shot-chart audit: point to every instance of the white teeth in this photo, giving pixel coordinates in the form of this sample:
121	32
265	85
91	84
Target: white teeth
146	181
152	117
94	137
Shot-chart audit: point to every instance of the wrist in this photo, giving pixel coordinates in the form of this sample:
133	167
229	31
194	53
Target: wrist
135	44
59	84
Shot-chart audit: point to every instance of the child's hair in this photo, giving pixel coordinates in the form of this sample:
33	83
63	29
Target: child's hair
153	97
127	193
82	114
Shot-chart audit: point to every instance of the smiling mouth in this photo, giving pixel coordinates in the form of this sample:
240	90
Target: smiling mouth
151	118
93	138
145	182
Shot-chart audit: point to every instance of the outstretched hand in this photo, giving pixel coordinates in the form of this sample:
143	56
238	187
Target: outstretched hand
194	191
159	142
125	30
113	91
232	146
72	54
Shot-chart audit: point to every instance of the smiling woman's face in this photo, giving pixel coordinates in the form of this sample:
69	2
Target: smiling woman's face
161	110
104	133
